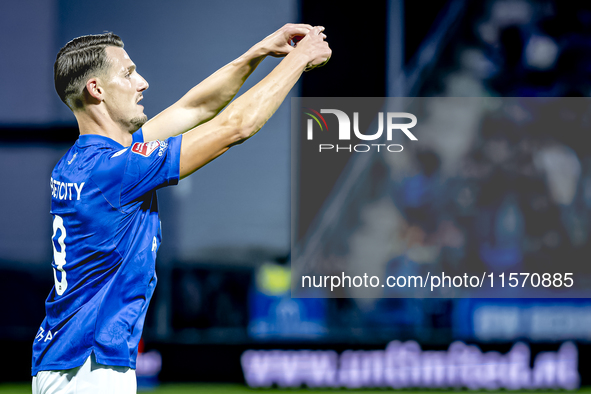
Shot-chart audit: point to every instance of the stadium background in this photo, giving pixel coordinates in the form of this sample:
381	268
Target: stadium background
224	264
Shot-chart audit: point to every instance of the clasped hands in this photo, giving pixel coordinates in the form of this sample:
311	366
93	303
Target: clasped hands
307	39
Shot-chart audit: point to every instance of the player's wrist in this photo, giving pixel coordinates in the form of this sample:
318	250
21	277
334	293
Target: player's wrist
250	58
259	50
301	57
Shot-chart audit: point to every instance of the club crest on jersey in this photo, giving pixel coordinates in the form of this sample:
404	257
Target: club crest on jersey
145	148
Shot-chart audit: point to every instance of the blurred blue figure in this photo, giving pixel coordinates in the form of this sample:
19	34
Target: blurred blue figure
274	314
503	233
420	192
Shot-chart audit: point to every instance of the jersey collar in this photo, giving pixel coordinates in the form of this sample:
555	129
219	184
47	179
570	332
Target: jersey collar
95	139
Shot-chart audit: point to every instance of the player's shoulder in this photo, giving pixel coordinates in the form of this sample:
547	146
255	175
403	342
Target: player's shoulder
87	154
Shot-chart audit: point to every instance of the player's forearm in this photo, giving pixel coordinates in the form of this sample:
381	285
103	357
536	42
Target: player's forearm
247	114
241	119
204	101
257	105
209	97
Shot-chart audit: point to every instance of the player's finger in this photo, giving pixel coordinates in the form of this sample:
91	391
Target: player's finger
304	25
316	30
299	30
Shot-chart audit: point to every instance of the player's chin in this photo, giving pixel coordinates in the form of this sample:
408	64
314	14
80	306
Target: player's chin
139	121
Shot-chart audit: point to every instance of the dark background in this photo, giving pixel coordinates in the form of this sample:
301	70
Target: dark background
229	224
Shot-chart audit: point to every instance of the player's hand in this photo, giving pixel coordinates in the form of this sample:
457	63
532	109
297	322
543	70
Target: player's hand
315	47
279	43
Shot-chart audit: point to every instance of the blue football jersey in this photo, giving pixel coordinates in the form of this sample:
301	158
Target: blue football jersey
106	233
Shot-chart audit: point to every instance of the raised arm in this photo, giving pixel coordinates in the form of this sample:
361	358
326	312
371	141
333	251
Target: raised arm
249	112
207	99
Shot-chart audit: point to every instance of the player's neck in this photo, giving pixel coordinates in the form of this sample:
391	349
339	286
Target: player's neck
100	123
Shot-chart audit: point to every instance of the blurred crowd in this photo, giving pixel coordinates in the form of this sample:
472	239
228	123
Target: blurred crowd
505	185
519	195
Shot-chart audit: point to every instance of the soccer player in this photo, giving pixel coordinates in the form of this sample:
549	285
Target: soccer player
106	230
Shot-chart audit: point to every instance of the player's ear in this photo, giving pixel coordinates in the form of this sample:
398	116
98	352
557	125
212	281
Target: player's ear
94	89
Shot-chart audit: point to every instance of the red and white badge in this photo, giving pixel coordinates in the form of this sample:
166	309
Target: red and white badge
145	148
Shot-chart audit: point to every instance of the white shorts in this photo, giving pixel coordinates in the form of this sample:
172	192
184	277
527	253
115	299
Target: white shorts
90	378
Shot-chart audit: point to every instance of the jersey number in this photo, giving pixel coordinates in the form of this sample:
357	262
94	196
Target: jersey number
59	257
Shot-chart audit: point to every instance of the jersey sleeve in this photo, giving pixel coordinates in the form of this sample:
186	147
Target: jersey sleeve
126	175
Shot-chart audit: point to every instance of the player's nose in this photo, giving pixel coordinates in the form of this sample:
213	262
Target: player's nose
143	85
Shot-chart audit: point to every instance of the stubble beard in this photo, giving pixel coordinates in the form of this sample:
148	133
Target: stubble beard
138	121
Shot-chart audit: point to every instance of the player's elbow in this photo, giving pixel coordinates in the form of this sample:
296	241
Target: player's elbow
240	126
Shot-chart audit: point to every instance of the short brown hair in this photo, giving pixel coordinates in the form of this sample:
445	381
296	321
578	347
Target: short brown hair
77	61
